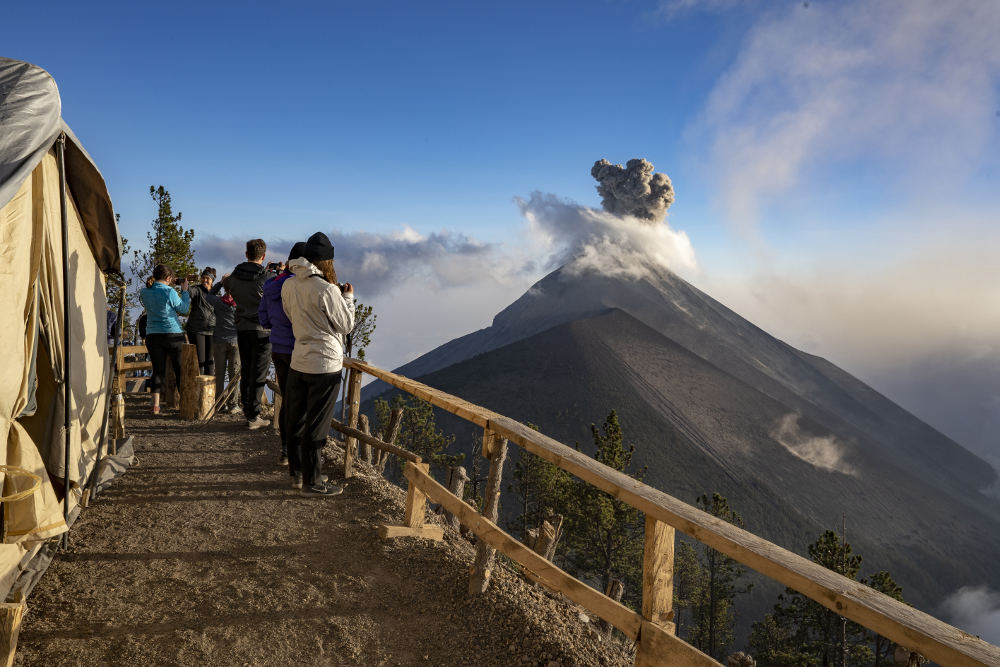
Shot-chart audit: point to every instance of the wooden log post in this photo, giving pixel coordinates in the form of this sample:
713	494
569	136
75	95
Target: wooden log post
416	504
117	417
657	588
354	409
457	477
188	385
495	449
205	394
11	614
364	449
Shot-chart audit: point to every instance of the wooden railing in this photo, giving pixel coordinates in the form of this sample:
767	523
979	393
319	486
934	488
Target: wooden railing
653	627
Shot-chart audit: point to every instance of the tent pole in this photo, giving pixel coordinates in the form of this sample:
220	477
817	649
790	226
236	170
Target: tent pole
61	154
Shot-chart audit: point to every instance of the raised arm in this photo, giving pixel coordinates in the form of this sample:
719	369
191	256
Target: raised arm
339	309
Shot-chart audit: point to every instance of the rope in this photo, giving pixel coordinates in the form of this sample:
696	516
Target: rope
16	470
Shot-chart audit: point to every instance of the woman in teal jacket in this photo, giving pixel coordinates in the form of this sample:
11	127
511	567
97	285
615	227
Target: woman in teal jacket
164	331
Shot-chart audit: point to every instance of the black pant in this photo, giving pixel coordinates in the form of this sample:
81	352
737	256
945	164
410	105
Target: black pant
206	357
255	357
282	362
311	397
163	347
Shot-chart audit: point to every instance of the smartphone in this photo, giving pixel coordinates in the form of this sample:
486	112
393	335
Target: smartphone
273	266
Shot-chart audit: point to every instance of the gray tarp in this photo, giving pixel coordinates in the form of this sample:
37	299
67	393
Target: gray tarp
30	117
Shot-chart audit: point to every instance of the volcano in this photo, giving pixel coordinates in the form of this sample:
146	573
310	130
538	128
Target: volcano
714	403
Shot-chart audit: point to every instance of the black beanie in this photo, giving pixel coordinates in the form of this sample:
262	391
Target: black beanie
297	250
318	248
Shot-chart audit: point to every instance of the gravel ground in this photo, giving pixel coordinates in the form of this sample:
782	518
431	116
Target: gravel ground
204	554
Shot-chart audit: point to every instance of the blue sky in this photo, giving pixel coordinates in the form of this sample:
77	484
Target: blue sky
835	163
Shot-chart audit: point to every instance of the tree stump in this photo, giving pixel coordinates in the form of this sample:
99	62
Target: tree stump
205	396
364	449
11	614
188	384
456	485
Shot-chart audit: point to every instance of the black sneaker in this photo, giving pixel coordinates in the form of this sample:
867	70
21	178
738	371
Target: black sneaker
322	490
282	460
297	481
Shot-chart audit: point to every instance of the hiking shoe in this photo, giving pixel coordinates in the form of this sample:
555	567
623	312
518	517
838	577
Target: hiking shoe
235	410
297	481
257	422
282	460
322	489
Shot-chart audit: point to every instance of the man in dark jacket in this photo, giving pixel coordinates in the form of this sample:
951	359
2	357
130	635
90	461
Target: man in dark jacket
225	350
245	284
201	321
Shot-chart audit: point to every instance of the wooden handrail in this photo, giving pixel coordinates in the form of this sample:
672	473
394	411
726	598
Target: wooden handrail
878	612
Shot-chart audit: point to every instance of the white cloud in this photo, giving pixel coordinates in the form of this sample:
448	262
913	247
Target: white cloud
975	610
910	86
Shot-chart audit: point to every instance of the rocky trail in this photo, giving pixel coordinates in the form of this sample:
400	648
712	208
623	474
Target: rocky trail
203	554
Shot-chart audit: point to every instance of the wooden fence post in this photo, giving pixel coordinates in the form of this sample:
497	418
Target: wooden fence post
616	588
495	449
657	590
413	519
354	402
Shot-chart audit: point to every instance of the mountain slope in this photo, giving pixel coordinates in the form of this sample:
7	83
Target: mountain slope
700	429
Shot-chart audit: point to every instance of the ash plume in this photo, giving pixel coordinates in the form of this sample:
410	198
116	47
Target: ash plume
634	190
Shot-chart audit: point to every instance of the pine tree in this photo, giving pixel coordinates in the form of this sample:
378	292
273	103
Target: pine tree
883	582
604	536
689	585
364	327
540	488
169	243
419	434
714	618
813	634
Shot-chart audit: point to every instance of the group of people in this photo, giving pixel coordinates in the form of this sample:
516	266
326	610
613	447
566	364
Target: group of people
294	315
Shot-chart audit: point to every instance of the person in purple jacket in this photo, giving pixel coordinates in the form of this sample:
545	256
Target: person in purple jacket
272	316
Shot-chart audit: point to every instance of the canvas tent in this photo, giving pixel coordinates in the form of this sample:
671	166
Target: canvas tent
35	146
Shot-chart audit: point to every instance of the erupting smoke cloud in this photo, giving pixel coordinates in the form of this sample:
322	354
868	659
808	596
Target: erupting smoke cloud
634	190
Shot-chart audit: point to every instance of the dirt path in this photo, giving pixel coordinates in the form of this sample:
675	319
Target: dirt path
203	554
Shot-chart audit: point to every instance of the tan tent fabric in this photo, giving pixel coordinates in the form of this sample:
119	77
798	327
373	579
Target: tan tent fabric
31	232
31	302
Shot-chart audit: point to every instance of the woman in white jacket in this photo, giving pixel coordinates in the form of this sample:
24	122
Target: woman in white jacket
322	314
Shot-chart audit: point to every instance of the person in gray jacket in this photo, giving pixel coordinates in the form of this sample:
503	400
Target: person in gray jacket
201	321
224	349
322	314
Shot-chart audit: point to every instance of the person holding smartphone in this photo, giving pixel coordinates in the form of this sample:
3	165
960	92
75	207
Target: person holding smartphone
164	332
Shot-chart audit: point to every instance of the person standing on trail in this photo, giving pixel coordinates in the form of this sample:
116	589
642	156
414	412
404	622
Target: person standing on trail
246	284
201	322
164	333
225	351
272	315
322	314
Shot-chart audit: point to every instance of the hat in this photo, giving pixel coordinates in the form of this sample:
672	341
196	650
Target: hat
318	248
208	271
297	250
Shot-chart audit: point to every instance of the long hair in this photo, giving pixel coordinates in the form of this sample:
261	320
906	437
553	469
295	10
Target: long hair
325	267
163	272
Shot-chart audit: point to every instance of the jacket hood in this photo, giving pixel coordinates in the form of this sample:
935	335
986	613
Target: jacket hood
248	271
302	267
